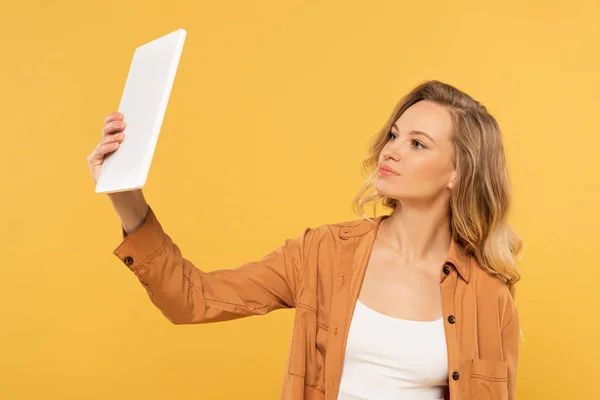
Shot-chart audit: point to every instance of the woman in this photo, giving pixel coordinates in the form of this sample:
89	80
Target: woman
417	304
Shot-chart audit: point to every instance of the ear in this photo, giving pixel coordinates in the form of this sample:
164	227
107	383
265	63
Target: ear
452	181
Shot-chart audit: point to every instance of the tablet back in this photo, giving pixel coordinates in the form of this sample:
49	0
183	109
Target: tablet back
144	102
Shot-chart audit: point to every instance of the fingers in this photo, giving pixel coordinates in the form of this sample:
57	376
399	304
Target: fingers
116	137
115	116
114	123
112	137
102	150
113	127
108	144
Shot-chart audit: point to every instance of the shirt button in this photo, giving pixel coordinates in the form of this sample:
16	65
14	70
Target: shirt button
446	269
455	375
128	260
451	319
345	233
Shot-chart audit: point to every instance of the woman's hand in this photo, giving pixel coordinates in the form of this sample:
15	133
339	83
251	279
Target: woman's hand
131	206
112	137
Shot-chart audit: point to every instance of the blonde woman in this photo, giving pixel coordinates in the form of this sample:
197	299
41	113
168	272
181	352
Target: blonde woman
417	304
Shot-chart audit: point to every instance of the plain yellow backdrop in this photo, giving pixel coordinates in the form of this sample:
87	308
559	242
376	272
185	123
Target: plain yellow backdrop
268	122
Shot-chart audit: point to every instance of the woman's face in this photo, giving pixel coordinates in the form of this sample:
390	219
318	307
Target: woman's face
422	161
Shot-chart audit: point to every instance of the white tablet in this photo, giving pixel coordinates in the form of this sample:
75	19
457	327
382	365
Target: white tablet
144	102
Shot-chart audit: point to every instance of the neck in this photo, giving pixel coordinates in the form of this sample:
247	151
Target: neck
419	234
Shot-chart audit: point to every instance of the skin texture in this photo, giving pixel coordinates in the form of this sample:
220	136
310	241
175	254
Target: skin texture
403	274
130	206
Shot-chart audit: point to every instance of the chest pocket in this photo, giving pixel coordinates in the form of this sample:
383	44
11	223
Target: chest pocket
488	379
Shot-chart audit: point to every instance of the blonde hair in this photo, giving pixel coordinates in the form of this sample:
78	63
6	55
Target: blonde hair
481	197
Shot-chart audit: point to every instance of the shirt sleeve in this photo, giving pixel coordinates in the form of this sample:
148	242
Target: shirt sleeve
188	295
510	349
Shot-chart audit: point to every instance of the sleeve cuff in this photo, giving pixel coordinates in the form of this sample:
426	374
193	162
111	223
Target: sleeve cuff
141	244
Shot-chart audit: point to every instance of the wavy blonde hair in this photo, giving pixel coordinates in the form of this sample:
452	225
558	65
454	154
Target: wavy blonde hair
481	197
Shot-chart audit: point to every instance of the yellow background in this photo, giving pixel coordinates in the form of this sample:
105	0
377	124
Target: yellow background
267	125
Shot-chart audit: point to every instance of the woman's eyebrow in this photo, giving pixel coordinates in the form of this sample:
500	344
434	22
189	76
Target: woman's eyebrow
415	133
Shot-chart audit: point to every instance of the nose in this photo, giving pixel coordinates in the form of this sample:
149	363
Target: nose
389	153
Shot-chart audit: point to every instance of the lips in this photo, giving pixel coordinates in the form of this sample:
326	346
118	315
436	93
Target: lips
385	168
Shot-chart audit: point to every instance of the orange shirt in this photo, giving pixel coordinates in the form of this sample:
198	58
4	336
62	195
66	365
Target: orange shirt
319	273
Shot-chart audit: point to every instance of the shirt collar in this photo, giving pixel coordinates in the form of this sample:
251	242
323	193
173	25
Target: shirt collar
457	256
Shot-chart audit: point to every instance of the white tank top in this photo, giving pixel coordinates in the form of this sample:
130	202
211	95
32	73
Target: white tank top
390	358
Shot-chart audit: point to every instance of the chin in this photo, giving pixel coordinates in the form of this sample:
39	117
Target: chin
384	190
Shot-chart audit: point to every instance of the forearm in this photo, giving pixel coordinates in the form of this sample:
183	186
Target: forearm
131	207
187	295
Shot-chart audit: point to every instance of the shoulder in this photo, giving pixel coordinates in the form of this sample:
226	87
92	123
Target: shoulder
326	235
342	229
353	228
493	292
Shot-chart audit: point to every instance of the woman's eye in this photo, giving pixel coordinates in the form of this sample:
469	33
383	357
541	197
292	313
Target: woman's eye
419	143
416	143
